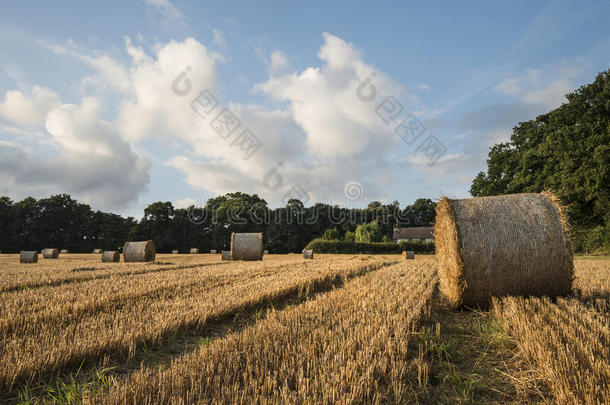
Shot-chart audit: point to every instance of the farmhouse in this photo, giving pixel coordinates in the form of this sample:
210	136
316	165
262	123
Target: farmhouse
418	233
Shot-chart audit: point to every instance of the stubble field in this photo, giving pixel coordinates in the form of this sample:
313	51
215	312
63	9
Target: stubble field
336	329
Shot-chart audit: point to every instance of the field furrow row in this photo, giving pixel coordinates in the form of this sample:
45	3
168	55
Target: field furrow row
570	356
53	276
23	311
346	346
148	320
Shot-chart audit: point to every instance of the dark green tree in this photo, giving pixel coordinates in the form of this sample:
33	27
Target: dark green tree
566	151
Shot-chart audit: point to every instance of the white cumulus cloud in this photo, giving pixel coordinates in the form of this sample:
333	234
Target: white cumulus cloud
28	110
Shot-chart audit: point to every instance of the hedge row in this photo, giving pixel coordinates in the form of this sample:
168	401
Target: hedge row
320	245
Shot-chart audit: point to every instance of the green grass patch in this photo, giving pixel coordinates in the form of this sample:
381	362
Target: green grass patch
465	357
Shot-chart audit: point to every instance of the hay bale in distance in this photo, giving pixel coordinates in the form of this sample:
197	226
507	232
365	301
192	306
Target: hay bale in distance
308	253
265	252
213	251
50	253
408	254
247	246
143	251
111	256
226	255
26	256
505	245
98	251
174	252
64	251
194	251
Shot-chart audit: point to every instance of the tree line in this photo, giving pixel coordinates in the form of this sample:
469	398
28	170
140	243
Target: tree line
61	222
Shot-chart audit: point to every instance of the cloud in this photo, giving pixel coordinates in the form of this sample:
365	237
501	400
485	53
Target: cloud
318	136
316	131
170	14
185	203
110	72
76	151
16	72
137	53
544	88
446	164
278	63
219	39
324	101
525	95
157	107
552	96
28	110
91	162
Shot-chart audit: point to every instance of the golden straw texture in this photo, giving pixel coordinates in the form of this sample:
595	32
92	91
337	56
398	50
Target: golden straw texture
110	256
139	251
505	245
247	246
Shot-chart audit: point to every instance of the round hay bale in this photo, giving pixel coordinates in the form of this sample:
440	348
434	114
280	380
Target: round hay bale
226	255
213	251
247	246
505	245
98	251
308	253
64	251
143	251
50	253
408	254
265	252
111	256
194	251
174	252
26	256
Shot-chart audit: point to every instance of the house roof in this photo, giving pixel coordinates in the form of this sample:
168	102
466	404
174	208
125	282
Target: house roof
418	232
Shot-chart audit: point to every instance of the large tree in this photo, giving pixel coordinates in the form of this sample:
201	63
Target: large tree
566	151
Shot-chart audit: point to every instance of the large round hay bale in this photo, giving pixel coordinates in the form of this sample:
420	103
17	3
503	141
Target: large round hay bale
247	246
111	256
143	251
308	253
213	251
50	253
506	245
174	252
98	251
265	252
408	255
26	256
64	251
225	255
194	251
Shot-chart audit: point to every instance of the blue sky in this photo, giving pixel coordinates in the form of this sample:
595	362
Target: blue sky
87	106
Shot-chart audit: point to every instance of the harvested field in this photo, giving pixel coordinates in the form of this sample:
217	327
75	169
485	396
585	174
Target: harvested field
51	328
346	346
337	329
567	340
